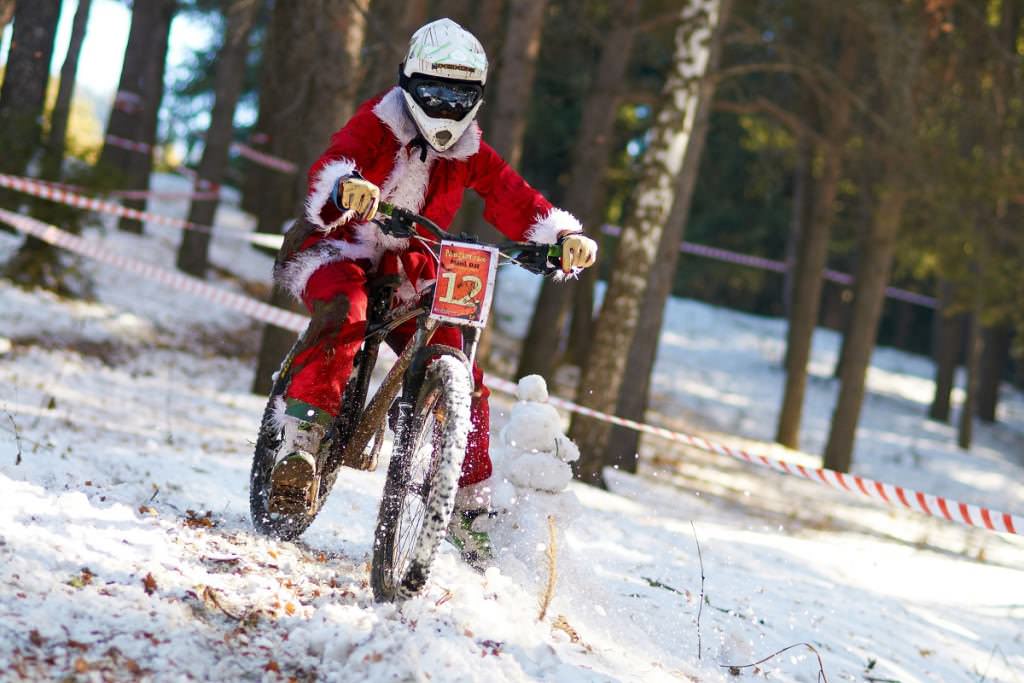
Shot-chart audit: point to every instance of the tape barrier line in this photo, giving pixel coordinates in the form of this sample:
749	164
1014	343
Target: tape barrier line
239	148
56	193
262	158
889	494
101	252
207	191
130	145
728	256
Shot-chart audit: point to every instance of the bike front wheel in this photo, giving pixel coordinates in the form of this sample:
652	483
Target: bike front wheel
422	481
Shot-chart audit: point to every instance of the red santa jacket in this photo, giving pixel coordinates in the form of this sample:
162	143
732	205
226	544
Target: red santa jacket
376	143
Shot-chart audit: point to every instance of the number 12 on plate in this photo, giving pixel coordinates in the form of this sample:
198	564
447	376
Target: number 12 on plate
465	283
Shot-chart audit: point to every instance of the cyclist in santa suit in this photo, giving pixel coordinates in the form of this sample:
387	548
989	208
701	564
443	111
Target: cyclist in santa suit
416	146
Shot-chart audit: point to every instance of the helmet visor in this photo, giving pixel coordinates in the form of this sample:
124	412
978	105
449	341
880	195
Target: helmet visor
445	99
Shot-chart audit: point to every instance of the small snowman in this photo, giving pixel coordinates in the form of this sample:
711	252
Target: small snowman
533	451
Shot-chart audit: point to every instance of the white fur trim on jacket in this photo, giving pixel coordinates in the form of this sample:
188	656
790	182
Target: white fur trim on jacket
296	273
547	228
318	197
391	110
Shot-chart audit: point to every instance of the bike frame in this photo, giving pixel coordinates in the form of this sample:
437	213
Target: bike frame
360	421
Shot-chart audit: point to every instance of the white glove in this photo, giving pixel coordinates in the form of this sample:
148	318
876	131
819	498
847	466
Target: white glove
360	196
578	251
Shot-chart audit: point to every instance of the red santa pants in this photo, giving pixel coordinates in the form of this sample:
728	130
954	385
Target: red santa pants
324	368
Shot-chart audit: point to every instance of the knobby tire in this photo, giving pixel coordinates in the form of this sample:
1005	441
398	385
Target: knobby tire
442	408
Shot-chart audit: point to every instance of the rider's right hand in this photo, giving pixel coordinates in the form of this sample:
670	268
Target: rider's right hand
359	195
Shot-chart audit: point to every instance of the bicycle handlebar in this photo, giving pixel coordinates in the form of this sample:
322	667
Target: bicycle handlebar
541	259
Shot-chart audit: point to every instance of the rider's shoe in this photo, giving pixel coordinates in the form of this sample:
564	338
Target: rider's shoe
293	479
467	529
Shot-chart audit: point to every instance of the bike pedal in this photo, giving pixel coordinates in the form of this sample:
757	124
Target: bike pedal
293	488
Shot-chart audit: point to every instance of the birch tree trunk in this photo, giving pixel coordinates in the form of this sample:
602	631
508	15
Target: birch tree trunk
231	64
604	376
311	74
590	161
137	103
6	13
873	276
624	445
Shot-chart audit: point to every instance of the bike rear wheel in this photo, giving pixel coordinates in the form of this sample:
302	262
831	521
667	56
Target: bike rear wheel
422	480
283	526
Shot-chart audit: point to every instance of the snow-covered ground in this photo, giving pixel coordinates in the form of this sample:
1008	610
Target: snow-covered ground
126	427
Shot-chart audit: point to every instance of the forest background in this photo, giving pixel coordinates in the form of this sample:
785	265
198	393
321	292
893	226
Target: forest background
878	137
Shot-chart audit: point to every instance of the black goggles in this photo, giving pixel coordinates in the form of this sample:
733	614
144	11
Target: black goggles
443	99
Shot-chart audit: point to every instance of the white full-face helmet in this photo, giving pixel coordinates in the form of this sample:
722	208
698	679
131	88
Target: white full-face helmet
442	79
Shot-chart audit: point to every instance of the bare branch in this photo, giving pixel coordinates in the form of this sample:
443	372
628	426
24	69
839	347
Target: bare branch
734	669
763	105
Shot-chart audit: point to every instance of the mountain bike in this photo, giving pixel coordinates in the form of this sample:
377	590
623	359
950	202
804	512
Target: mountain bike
424	398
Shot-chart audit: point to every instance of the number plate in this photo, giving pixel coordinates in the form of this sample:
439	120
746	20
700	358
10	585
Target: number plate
465	283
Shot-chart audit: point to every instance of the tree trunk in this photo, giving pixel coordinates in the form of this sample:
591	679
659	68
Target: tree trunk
511	101
801	216
590	160
37	264
604	373
904	326
231	65
947	333
519	65
996	354
137	104
972	361
486	27
812	251
392	23
459	11
873	276
23	94
310	78
624	444
54	158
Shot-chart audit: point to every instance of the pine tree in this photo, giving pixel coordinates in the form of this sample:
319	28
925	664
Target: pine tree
311	73
231	65
24	88
137	103
590	161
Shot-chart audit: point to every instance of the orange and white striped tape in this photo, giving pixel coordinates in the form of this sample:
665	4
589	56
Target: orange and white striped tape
59	193
130	145
100	251
889	494
262	158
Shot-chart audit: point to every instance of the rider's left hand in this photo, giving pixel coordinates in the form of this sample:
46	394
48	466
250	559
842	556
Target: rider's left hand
578	251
